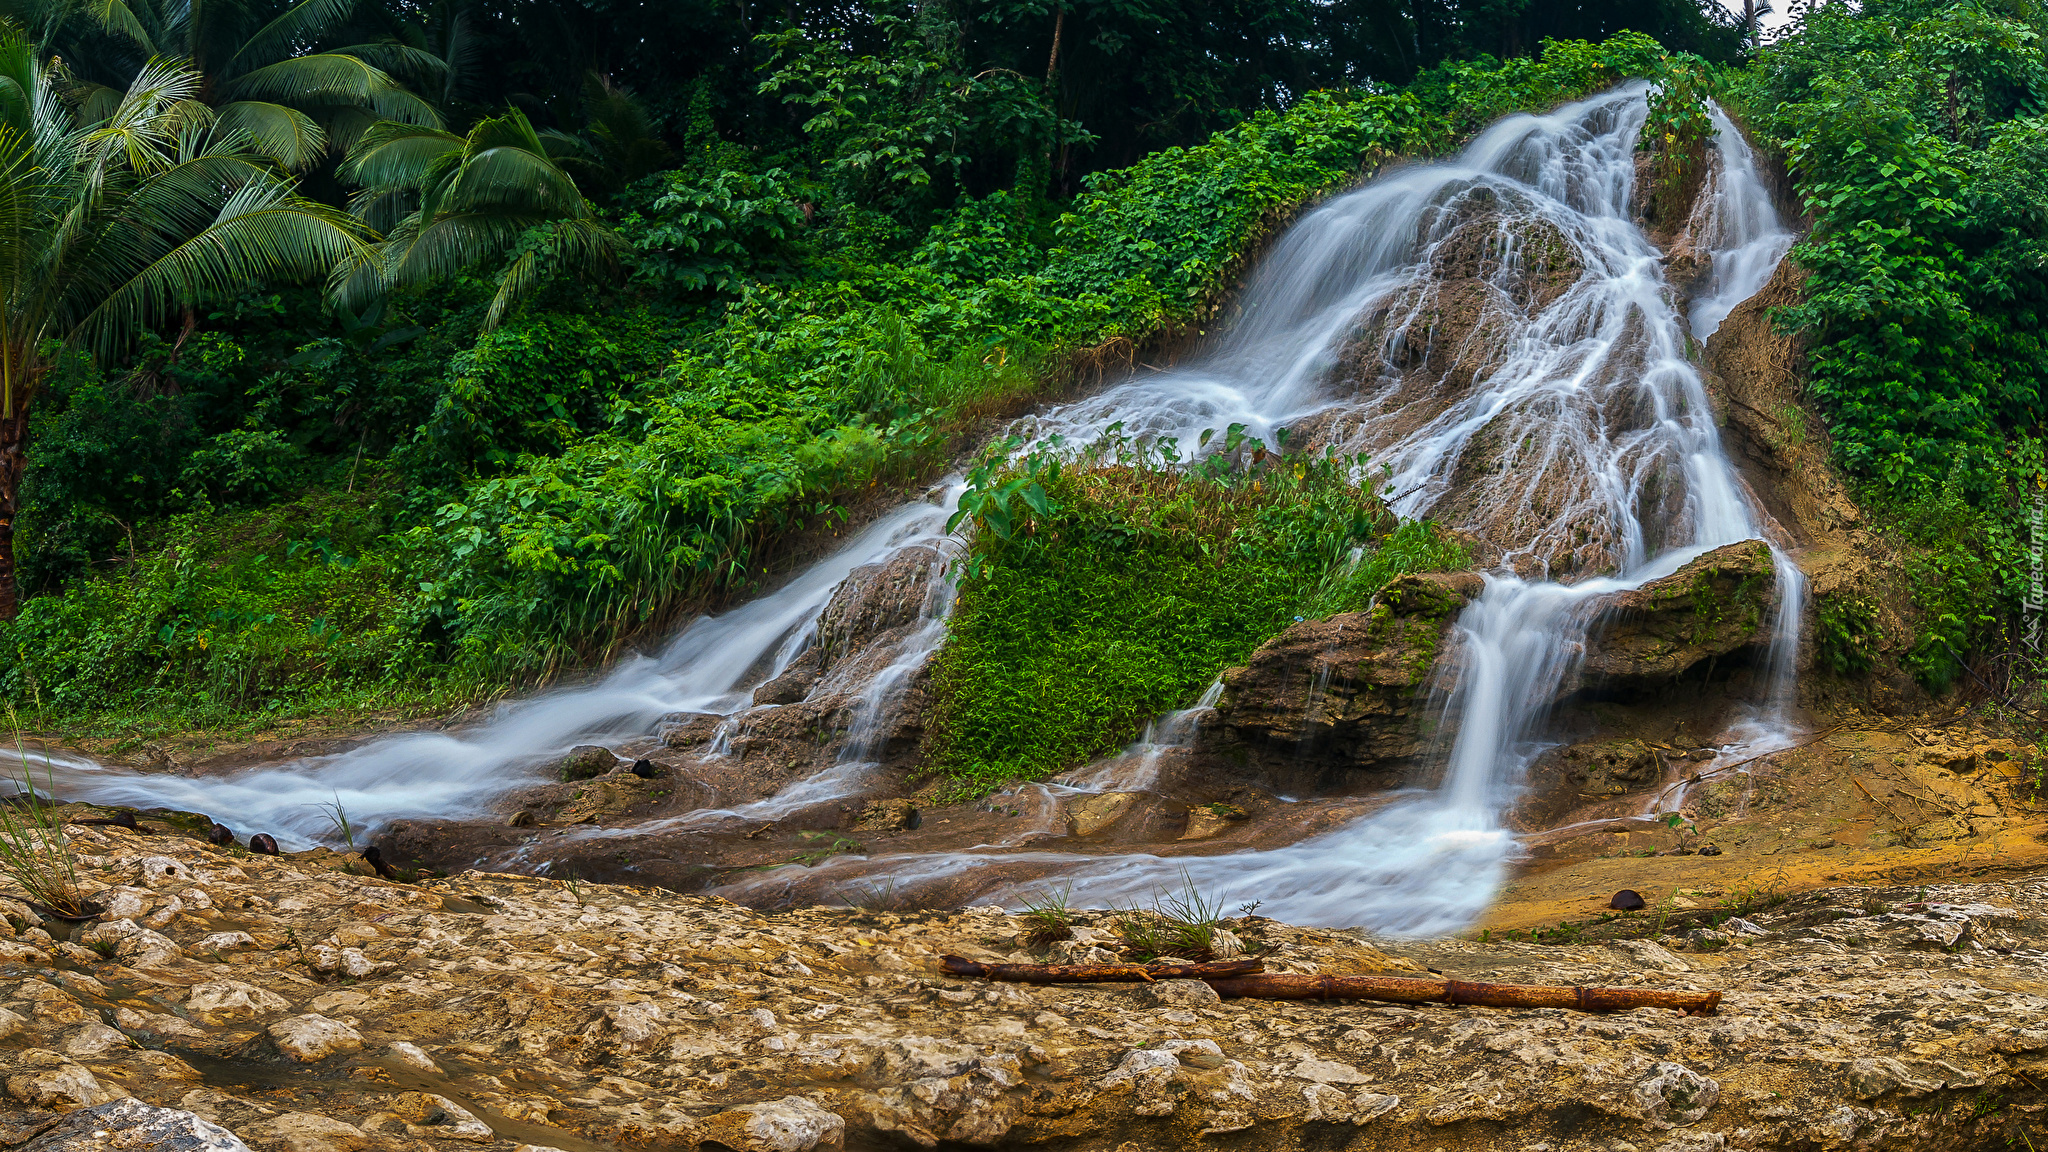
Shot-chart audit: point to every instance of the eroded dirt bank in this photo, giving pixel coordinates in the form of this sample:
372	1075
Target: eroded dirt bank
305	1008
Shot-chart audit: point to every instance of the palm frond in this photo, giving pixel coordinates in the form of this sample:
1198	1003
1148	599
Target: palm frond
119	19
264	229
303	23
332	78
515	177
284	134
391	56
391	155
144	129
584	248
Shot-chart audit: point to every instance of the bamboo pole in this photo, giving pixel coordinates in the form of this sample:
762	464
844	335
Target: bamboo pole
1410	990
1097	973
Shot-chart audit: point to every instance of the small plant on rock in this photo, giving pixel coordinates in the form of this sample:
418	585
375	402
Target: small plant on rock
1050	918
338	817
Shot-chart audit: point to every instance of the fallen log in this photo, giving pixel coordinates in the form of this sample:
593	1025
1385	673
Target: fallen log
1097	973
1409	990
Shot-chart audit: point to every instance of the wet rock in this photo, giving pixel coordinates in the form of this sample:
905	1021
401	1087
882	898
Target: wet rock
1564	779
1180	994
794	683
126	1125
791	1124
1087	815
1212	820
1349	690
217	1001
306	1132
1716	605
689	729
888	816
874	599
311	1037
57	1083
424	1115
627	1017
584	762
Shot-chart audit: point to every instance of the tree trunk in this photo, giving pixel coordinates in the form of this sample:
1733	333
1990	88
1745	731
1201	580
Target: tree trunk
13	439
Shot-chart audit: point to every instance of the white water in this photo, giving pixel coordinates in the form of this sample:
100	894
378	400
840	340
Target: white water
1606	427
712	666
1741	226
1596	392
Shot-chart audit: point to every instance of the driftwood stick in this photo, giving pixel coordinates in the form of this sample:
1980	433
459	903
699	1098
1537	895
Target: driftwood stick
1409	990
1097	973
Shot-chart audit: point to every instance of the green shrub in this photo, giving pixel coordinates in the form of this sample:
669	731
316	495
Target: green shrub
1103	591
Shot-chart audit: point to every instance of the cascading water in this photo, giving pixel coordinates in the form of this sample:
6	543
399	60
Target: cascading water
1495	330
712	666
1573	393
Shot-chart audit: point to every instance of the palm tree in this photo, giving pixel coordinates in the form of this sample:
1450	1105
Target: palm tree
110	224
448	202
618	144
260	65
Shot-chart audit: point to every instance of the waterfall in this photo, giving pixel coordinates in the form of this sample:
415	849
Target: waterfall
1571	389
1495	329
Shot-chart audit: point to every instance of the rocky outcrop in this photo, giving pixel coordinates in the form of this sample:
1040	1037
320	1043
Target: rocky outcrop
874	605
504	1012
1349	690
1567	778
1716	605
1757	374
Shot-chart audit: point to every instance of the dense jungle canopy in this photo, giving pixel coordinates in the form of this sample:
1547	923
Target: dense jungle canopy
364	354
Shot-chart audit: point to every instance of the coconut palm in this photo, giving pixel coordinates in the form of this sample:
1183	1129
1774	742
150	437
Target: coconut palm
617	145
109	225
447	203
261	62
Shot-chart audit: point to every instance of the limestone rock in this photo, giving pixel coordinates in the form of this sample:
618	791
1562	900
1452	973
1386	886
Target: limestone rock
306	1132
426	1115
1211	820
584	762
1351	688
133	1126
310	1037
874	599
1563	779
791	1124
1090	814
1180	994
888	816
220	1000
1715	605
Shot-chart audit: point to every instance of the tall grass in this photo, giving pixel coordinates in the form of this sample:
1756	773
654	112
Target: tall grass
33	851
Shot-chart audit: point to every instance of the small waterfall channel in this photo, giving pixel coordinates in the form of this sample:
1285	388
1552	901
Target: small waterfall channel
1494	329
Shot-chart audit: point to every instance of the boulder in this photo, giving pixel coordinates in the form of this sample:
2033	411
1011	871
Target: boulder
1351	688
1090	814
585	761
874	599
1563	779
309	1038
132	1125
1716	605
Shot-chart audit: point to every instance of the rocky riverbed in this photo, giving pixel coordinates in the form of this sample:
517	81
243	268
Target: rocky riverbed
297	1004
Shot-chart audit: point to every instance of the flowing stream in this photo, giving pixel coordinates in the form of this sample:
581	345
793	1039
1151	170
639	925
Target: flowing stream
1495	330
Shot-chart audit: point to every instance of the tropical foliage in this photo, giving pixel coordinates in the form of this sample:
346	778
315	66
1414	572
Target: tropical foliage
1915	131
109	225
1105	588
